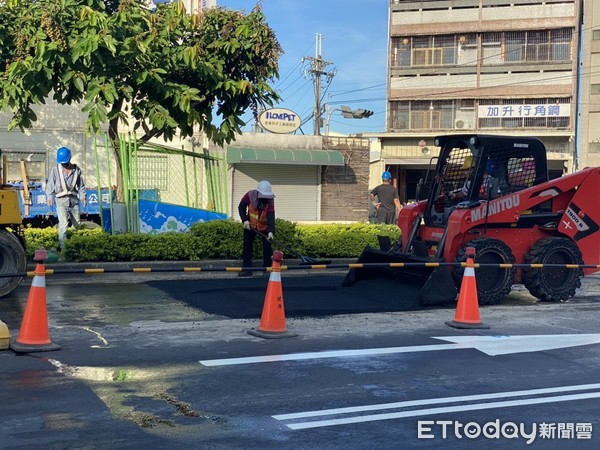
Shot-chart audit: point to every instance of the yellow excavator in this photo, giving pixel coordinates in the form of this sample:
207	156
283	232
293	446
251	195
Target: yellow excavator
13	258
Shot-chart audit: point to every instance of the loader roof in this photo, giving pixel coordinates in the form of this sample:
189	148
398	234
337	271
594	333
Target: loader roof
495	143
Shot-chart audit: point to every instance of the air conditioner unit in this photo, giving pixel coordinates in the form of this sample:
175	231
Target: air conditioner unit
460	124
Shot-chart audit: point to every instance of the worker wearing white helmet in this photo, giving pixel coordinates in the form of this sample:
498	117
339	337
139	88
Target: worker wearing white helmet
257	211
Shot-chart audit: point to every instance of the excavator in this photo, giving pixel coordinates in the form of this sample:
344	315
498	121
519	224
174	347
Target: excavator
493	193
13	258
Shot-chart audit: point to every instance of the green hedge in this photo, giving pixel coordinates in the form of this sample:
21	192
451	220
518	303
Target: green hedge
221	239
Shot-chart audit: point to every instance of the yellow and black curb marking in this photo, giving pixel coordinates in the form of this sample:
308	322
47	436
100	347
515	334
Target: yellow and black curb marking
105	270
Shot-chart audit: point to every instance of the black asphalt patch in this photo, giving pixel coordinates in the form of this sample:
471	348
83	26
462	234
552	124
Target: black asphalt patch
309	296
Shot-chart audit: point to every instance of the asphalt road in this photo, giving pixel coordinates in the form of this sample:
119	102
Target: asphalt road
165	361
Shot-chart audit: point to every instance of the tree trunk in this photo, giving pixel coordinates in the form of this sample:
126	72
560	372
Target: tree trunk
113	136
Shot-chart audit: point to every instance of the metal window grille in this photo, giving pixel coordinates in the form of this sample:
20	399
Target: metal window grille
534	46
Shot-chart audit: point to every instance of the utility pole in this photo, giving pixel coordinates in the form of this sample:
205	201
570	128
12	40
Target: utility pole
316	71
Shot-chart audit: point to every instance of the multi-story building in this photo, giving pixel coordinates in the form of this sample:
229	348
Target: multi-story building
588	137
484	66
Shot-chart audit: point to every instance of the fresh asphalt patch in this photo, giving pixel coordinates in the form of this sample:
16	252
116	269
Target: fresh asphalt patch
303	296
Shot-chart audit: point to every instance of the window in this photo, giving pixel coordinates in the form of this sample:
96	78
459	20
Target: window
35	163
423	115
491	44
595	89
515	49
561	44
534	46
596	35
430	50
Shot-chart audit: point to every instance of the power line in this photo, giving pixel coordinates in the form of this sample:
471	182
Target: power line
317	71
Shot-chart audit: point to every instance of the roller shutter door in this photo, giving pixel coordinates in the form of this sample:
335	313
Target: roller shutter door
296	188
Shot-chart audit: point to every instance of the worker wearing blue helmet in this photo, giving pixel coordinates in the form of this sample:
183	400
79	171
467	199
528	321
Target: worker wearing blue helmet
387	205
65	187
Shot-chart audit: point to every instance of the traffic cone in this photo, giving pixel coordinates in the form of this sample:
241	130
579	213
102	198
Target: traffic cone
272	321
467	309
34	335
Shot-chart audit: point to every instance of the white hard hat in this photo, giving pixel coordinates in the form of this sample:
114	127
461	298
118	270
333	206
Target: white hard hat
265	190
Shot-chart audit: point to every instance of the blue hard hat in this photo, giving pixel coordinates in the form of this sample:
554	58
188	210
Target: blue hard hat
63	155
490	167
386	175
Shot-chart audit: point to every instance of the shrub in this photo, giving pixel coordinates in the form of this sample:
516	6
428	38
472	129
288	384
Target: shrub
220	239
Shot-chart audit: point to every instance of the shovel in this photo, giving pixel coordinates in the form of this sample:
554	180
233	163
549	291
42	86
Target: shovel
305	259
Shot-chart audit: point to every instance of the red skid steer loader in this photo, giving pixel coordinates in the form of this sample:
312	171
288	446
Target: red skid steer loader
493	193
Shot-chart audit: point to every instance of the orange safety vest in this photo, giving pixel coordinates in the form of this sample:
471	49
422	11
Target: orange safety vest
258	218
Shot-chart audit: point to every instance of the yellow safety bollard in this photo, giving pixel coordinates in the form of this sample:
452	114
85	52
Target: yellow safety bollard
4	336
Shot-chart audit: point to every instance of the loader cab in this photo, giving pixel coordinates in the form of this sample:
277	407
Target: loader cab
476	168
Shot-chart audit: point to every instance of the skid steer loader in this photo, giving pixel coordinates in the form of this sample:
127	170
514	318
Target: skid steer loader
13	258
493	193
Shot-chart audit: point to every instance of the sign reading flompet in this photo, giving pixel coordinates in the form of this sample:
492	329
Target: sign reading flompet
279	120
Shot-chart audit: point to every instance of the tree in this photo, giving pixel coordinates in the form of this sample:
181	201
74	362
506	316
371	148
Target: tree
164	70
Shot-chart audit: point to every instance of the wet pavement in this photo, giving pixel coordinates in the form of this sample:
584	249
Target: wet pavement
128	373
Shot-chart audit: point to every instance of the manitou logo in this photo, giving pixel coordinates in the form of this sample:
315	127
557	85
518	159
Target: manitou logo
496	206
580	224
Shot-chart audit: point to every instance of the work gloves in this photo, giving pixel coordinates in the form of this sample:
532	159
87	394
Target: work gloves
247	224
270	236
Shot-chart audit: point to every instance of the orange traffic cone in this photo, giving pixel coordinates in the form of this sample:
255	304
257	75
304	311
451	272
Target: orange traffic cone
467	309
34	335
272	321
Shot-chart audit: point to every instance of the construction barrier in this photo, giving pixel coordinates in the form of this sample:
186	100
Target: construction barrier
194	269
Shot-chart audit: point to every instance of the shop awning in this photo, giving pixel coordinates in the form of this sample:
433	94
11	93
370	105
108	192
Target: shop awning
236	155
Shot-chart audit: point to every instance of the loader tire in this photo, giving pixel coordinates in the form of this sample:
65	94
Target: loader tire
493	284
12	259
553	284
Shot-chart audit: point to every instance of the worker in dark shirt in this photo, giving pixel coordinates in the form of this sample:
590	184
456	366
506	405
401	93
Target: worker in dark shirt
388	204
257	211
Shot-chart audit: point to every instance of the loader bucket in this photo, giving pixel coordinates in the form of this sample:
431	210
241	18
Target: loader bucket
436	284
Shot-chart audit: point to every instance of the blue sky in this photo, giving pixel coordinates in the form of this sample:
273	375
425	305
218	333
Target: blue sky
354	39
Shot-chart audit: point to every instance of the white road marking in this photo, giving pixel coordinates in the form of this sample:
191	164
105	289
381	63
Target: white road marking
490	345
505	345
328	354
442	410
435	401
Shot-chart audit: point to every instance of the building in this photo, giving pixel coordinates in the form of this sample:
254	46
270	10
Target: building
315	178
588	136
479	66
197	6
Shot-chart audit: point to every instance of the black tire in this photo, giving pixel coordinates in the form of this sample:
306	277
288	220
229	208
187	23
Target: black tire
12	259
493	284
553	284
